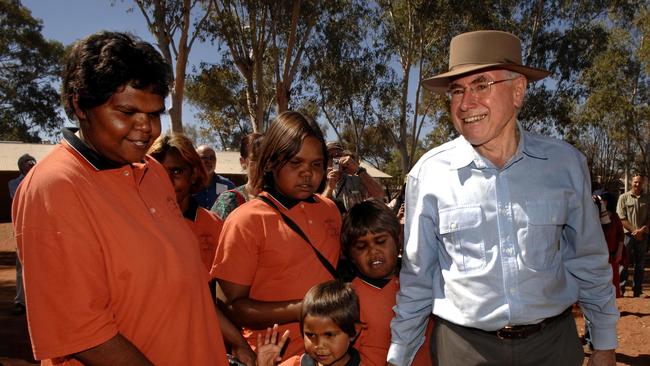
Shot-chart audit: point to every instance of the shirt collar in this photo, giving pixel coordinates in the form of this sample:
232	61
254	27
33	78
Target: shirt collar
93	158
467	154
378	283
285	201
529	146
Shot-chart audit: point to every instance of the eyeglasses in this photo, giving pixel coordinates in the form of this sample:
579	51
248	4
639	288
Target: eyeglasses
208	158
479	89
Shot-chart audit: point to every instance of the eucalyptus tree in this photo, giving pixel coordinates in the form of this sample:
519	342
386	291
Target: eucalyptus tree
617	89
218	93
266	41
29	68
346	74
176	26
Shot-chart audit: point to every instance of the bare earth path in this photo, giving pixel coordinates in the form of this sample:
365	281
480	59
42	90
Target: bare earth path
15	348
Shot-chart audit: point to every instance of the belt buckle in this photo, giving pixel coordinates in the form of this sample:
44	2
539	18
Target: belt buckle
510	332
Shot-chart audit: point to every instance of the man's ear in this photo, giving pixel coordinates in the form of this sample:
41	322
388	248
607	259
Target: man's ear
520	91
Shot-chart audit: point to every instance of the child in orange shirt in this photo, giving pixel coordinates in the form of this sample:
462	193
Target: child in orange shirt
329	324
263	266
370	239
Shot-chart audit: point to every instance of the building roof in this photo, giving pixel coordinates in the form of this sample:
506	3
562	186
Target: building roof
227	161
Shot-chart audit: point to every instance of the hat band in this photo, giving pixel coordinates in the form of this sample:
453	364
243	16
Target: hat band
488	64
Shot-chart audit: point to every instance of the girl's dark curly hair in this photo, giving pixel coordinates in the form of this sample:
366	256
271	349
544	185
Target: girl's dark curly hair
102	63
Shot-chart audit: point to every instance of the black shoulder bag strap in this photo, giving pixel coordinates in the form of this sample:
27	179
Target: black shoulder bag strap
330	268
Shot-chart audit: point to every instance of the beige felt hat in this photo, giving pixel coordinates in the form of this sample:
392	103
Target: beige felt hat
487	49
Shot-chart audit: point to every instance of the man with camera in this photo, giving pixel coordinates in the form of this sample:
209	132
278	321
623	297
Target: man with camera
348	183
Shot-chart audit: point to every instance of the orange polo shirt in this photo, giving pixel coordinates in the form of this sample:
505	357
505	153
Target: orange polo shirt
376	305
105	250
258	249
206	226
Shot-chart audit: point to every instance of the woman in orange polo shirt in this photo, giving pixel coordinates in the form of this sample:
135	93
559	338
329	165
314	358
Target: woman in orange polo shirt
183	164
262	265
112	273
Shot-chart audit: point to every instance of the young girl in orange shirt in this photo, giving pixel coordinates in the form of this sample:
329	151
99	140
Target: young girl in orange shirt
263	265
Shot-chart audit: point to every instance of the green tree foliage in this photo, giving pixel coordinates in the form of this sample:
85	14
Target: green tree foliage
358	65
347	75
616	89
266	42
29	67
218	92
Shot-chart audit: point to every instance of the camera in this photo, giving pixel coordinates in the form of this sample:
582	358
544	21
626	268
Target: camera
336	166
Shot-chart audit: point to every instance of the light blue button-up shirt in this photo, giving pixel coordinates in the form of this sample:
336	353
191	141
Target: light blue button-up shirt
489	247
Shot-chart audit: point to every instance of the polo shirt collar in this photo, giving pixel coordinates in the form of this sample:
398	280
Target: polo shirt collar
93	158
466	153
285	201
378	283
192	209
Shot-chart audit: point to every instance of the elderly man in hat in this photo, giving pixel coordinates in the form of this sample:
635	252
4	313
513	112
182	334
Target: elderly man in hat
501	234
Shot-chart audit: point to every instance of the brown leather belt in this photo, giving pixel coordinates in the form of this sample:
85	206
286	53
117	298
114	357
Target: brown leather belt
523	331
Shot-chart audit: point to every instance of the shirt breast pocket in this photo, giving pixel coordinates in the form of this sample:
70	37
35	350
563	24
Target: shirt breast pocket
540	248
461	231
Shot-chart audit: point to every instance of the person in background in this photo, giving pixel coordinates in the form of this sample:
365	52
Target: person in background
329	324
25	163
112	273
371	239
348	183
633	209
229	200
263	265
177	154
614	234
216	183
501	234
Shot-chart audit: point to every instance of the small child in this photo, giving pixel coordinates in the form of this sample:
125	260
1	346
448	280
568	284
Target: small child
371	240
329	324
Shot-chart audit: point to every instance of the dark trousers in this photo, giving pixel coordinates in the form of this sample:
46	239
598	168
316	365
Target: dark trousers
557	344
636	253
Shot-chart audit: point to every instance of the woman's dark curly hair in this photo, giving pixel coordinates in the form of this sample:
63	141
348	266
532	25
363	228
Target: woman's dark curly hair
102	63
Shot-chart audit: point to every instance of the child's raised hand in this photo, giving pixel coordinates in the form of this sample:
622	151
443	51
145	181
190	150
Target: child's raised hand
268	351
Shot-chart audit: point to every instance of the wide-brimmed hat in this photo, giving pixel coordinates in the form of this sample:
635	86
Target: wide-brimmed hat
487	49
